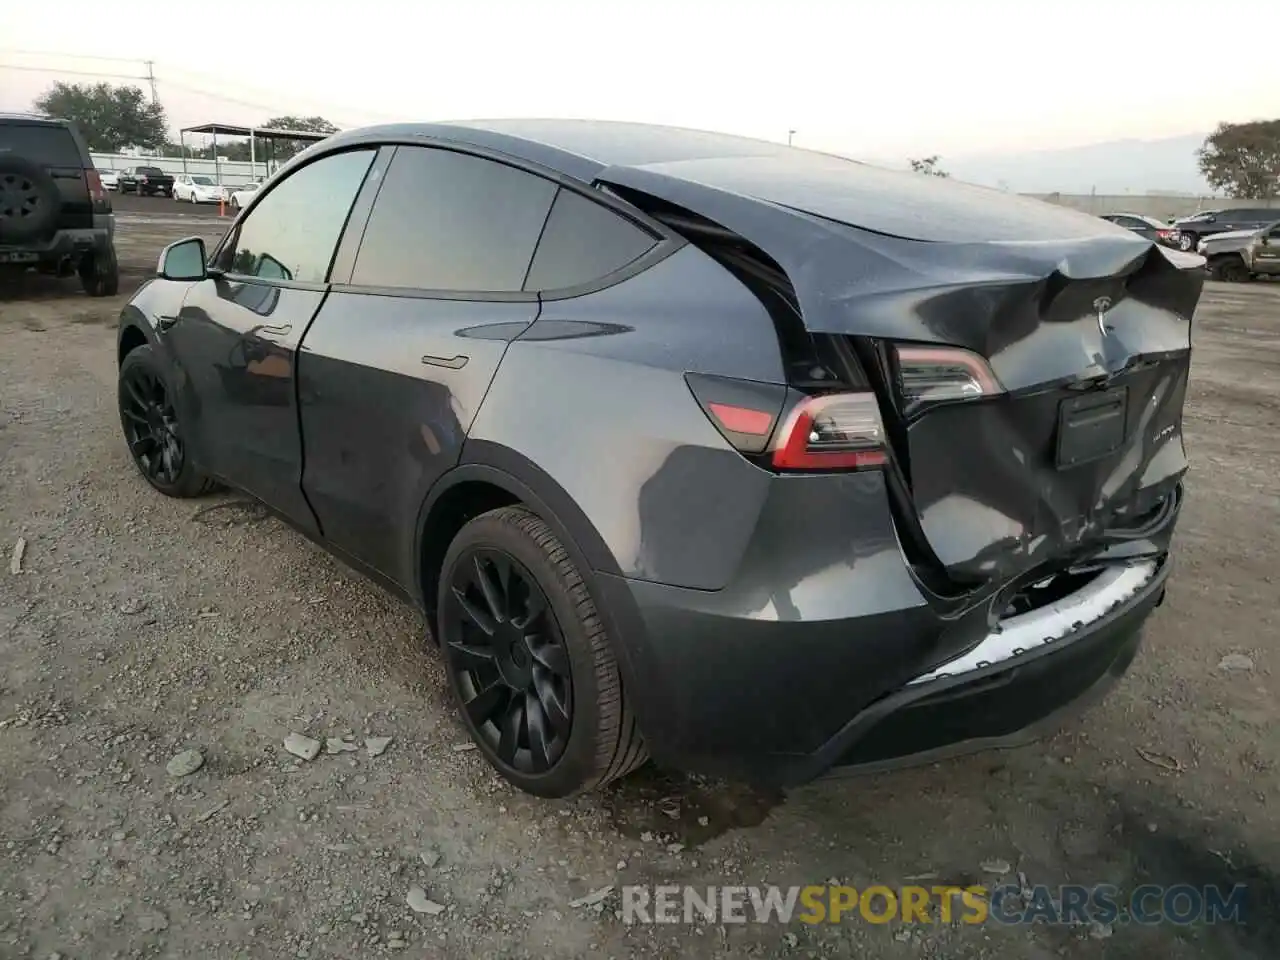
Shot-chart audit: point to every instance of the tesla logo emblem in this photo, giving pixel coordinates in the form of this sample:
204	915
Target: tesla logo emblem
1100	307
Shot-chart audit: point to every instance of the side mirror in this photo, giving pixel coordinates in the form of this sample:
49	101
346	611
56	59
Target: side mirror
183	260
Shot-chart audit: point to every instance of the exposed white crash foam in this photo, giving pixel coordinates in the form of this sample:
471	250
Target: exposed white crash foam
1052	622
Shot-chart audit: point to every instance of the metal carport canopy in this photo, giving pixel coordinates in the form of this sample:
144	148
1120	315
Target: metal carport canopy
253	133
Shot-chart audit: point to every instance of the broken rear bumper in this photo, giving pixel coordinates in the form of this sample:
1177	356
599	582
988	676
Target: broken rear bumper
999	703
728	706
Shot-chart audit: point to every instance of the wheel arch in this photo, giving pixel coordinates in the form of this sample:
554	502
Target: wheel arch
131	336
487	477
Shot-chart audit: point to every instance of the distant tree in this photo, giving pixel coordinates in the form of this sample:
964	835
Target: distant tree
1243	159
284	149
929	166
109	117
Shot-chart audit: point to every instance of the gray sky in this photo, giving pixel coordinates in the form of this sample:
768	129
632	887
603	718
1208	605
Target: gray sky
870	79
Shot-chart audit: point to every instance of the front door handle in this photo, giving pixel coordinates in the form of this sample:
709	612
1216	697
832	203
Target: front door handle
280	331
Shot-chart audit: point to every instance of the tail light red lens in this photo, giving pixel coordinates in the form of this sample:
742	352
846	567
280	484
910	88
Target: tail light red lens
93	180
838	431
928	375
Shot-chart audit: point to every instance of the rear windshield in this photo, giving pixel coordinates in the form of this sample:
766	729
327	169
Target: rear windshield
52	146
151	170
203	181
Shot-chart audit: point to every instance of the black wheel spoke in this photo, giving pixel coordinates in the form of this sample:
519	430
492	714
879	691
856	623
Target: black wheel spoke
482	707
556	710
474	653
493	593
512	719
536	720
474	613
535	605
135	393
552	656
142	444
136	417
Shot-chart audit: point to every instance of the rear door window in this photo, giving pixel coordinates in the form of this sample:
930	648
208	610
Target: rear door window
45	145
292	232
583	242
450	221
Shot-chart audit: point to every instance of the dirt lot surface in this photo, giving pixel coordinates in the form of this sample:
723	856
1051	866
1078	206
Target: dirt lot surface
140	627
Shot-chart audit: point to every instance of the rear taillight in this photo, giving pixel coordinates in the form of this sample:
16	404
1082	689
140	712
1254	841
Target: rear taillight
835	431
928	375
93	180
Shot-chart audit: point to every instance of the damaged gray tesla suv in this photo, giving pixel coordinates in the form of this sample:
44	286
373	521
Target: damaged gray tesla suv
759	462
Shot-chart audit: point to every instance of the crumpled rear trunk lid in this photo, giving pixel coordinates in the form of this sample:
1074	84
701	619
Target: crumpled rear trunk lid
1085	325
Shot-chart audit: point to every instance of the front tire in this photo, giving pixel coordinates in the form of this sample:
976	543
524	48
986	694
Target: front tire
150	422
528	659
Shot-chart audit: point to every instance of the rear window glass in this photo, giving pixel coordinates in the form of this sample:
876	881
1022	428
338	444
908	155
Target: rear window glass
53	146
582	242
149	171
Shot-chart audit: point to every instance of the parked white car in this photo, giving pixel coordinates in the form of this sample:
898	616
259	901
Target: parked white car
241	195
197	189
110	179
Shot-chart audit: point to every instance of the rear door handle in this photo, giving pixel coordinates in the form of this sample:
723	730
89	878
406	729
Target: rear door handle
280	331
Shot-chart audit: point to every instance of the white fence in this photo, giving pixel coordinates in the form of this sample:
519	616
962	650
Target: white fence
231	173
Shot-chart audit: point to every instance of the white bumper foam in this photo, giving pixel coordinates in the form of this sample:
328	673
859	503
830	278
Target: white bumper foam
1051	623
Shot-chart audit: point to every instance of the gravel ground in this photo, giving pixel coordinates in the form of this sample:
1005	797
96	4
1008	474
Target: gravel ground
141	627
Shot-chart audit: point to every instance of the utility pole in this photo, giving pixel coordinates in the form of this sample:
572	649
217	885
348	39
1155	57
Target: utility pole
151	77
790	134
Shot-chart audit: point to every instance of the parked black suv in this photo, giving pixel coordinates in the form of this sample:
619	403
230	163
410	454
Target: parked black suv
55	216
1189	231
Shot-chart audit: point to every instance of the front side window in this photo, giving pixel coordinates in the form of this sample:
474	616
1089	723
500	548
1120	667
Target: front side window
583	242
450	221
292	232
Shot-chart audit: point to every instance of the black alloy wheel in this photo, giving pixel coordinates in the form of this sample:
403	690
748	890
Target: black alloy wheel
151	425
508	659
152	430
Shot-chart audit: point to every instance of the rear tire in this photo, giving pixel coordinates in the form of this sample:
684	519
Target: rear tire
540	692
154	437
1230	268
100	273
31	200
